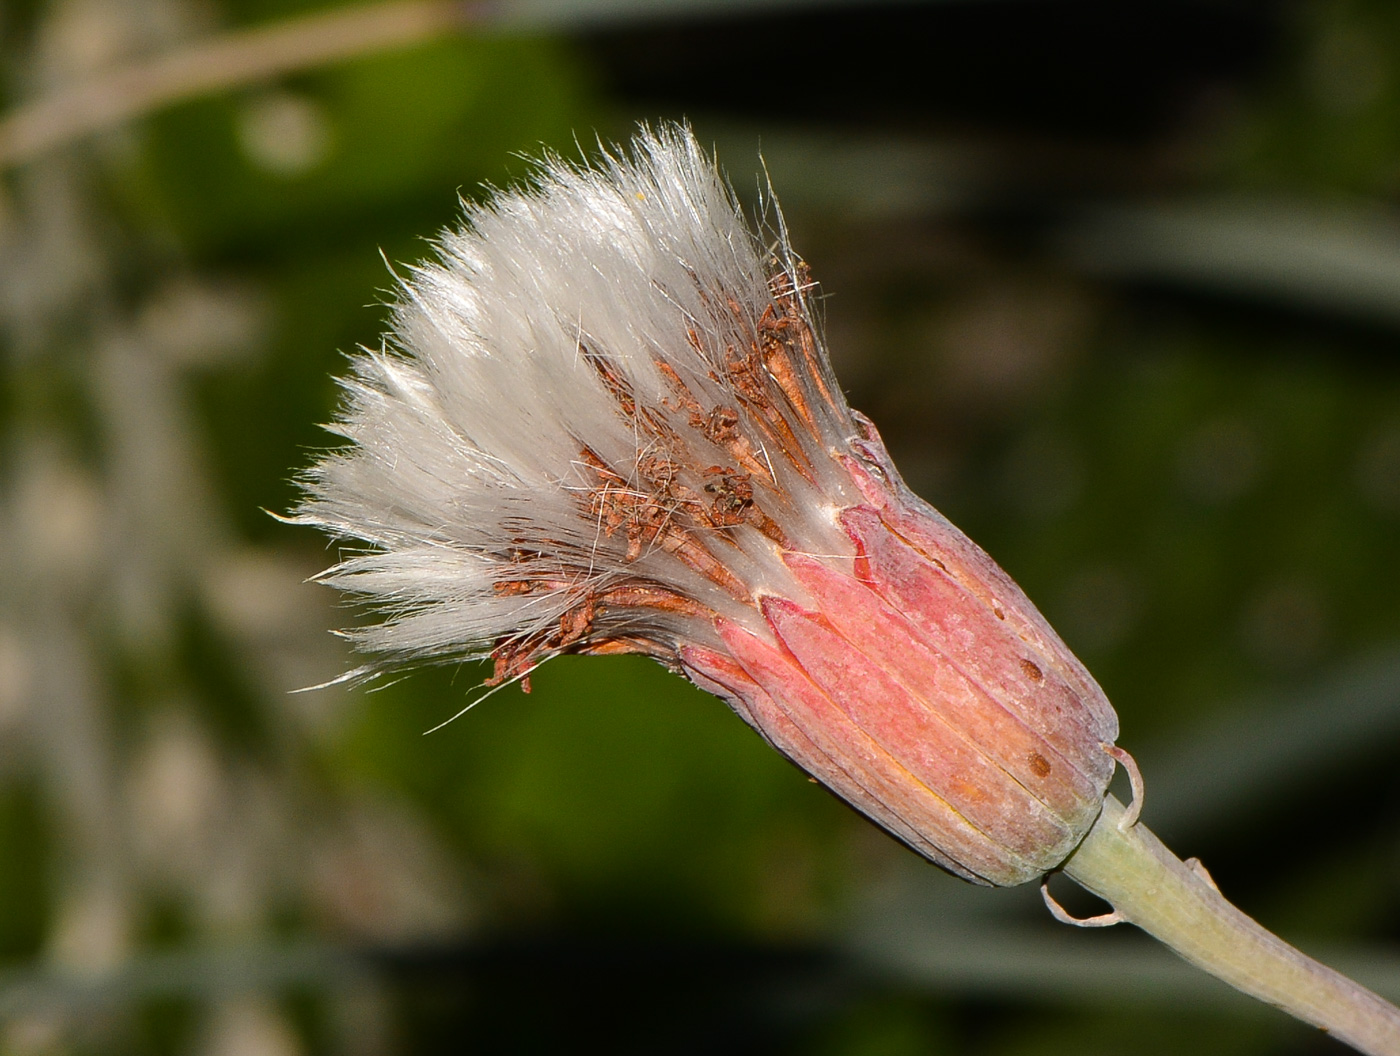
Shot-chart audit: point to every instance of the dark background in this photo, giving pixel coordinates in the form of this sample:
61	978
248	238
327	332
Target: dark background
1121	286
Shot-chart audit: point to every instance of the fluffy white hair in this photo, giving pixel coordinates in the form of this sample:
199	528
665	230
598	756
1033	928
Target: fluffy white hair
602	411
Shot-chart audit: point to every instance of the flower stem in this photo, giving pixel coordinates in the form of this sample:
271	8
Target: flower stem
241	57
1147	885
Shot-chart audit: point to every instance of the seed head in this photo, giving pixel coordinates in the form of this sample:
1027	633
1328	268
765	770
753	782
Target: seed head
605	422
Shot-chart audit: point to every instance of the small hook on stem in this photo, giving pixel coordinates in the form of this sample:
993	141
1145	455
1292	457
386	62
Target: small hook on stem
1103	920
1130	767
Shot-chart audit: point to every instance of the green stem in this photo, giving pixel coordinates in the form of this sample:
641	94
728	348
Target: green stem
1149	886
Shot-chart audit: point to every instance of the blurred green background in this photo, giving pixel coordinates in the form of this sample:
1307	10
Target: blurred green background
1121	286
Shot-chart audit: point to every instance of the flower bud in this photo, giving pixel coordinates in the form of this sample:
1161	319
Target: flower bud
610	426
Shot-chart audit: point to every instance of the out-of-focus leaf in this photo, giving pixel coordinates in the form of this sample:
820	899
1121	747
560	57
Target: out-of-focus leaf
290	165
1289	253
